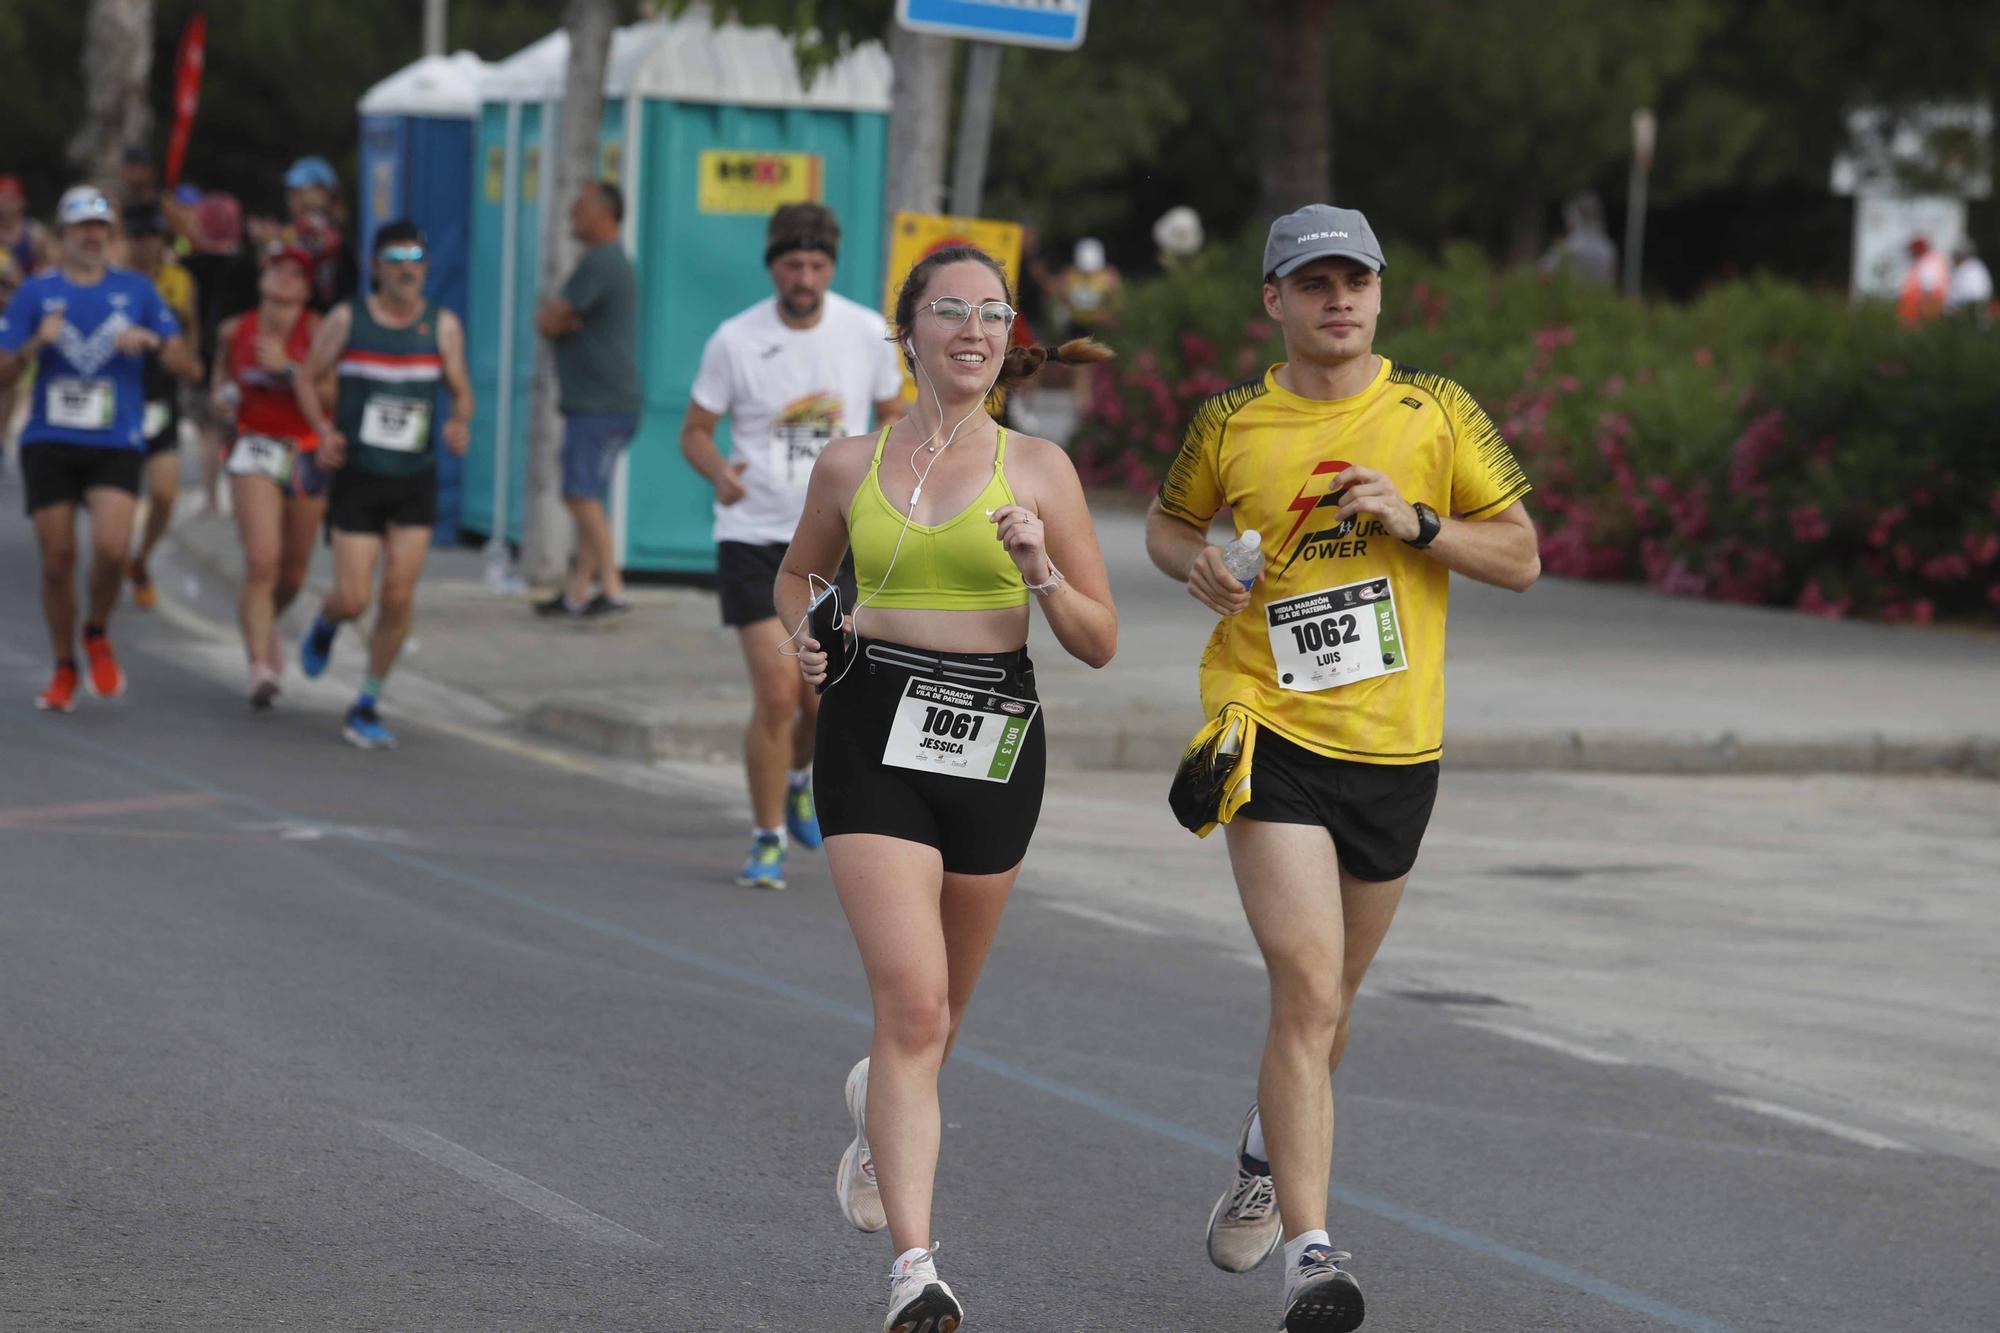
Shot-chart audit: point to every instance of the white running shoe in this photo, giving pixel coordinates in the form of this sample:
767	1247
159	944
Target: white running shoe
919	1301
1320	1296
1244	1226
860	1197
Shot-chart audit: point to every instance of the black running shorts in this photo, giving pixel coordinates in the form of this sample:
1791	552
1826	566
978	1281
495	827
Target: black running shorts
1377	813
367	503
746	580
55	473
978	827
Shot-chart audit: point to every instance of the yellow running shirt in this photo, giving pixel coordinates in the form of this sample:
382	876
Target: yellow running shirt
1341	649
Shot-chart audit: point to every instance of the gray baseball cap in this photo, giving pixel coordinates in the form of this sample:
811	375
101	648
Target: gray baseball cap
1320	231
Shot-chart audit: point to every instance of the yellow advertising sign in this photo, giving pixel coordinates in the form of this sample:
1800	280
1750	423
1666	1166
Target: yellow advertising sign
611	162
746	181
496	173
912	236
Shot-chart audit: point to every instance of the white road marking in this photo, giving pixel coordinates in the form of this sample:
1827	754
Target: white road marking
1867	1138
1575	1050
564	1212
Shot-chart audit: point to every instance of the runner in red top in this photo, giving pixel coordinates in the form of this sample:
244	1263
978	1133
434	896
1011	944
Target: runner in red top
275	482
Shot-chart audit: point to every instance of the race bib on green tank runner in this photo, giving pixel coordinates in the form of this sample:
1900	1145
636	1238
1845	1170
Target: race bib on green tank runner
82	404
957	731
262	456
389	421
1336	637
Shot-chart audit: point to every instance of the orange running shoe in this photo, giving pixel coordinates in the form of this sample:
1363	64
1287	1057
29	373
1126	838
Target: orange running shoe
60	696
106	680
144	595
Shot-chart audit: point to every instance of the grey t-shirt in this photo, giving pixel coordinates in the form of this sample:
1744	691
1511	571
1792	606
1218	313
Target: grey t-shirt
597	367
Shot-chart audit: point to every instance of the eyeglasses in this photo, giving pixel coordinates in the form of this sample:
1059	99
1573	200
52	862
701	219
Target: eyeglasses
403	254
952	311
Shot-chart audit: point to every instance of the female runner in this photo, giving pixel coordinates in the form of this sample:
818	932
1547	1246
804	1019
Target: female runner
275	483
931	751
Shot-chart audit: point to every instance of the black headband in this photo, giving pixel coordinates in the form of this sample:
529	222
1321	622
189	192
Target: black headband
791	243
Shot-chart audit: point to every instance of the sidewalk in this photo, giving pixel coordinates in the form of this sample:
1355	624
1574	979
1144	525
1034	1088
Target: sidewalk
1571	676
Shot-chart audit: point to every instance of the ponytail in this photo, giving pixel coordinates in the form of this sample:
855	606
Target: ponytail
1023	363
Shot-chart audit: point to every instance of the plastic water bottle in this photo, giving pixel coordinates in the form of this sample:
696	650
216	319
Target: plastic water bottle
1244	558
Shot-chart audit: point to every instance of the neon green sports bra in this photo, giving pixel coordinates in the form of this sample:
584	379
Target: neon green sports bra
957	565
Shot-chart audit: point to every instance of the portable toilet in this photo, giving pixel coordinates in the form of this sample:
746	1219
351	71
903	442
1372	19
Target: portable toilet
416	162
708	127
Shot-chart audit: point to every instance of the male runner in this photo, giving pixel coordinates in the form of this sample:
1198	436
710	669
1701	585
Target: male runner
393	351
146	245
1371	482
792	372
86	327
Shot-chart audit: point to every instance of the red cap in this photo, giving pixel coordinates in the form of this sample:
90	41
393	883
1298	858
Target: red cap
12	185
297	254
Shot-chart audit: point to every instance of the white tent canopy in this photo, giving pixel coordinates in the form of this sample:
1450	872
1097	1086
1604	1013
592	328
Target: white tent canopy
443	86
691	59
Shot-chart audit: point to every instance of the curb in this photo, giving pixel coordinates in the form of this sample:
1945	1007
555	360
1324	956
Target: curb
1154	742
644	734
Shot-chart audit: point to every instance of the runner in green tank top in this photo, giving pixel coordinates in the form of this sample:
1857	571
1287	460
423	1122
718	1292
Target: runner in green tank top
393	351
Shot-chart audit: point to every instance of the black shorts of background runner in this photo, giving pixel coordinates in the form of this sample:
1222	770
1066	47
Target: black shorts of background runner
63	473
1377	813
362	502
980	828
746	576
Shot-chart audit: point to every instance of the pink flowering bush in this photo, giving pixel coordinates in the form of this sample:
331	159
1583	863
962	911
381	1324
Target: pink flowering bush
1761	444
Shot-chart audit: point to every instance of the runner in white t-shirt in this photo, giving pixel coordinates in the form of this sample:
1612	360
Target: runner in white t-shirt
791	373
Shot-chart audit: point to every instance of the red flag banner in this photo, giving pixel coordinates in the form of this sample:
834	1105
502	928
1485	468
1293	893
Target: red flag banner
187	92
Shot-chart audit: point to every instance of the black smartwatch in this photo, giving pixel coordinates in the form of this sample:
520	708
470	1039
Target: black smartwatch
1428	526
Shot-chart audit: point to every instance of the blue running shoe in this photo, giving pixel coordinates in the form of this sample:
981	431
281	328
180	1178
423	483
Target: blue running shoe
314	650
802	817
766	867
364	730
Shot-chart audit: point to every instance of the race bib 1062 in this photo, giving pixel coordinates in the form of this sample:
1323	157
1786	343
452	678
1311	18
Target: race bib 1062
1337	636
957	731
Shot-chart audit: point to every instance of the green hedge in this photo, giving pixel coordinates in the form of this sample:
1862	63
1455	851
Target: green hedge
1764	443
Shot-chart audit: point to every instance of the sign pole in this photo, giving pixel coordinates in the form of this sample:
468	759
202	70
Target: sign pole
1644	130
975	129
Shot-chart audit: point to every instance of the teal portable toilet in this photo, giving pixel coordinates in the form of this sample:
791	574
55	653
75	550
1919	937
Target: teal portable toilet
416	163
708	128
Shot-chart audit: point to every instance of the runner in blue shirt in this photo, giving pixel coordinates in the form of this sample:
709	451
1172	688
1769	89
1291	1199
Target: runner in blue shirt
86	327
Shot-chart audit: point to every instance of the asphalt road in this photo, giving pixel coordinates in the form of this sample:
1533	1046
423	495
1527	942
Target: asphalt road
460	1038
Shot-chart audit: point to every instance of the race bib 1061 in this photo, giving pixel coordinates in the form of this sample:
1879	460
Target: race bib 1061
1337	636
957	731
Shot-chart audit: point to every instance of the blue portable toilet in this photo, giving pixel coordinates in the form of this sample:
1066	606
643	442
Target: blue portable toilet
708	127
416	162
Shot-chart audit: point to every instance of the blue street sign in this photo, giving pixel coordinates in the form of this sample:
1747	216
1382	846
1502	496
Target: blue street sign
1056	23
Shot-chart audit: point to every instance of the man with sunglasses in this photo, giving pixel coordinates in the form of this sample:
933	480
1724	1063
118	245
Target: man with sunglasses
393	352
792	372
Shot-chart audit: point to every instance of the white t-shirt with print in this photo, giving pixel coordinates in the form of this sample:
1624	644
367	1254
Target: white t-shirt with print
787	392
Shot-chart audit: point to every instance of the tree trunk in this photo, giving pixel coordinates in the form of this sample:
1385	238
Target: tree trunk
117	69
1295	122
546	529
919	111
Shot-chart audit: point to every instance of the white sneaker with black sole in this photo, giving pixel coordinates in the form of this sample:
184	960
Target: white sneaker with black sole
919	1300
1320	1296
860	1197
1244	1227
